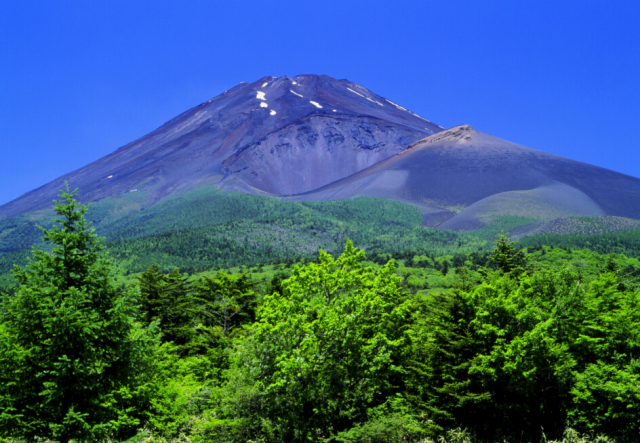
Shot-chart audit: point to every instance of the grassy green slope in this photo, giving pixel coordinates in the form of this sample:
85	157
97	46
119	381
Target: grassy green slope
206	228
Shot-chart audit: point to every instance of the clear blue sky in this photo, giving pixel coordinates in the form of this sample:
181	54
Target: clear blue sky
78	79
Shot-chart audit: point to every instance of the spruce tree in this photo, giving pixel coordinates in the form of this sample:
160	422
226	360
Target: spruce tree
70	351
507	256
165	299
223	303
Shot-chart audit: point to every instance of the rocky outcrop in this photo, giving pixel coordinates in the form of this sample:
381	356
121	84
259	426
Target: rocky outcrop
317	150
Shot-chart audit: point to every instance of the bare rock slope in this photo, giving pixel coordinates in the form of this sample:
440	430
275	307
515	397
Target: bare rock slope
279	135
462	177
317	150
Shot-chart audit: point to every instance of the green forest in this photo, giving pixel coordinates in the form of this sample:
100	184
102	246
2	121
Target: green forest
313	322
207	229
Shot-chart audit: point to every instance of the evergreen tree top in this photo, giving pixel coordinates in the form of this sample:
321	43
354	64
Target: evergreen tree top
507	256
75	248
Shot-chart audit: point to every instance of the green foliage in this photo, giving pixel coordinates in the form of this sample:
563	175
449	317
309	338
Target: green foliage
71	356
607	339
516	355
618	242
223	303
589	264
390	423
165	299
182	388
506	256
339	353
321	354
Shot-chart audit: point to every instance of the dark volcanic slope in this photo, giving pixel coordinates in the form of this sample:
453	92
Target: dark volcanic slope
463	168
313	129
316	150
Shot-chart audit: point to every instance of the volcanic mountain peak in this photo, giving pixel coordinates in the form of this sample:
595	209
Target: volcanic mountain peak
278	134
315	137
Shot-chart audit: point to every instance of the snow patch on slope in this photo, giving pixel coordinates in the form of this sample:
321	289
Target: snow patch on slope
419	116
370	99
293	92
396	105
317	105
356	92
260	95
264	105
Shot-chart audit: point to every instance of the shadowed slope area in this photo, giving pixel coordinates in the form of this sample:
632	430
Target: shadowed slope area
190	149
460	168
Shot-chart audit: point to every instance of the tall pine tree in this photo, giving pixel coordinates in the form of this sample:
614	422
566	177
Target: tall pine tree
70	351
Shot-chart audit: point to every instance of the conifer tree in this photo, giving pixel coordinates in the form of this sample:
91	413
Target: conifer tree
223	303
70	351
507	256
165	299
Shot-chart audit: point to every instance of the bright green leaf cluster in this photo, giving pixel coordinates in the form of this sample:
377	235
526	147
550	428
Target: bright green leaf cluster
326	350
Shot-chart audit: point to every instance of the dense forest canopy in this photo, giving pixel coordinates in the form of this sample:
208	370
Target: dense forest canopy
242	331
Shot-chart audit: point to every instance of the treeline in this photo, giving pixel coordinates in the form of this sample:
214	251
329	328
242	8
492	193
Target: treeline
257	242
225	230
206	229
127	217
208	207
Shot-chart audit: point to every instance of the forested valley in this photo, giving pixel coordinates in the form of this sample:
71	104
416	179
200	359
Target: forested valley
248	331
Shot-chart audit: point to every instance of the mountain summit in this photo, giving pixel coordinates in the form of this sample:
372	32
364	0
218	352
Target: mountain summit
278	135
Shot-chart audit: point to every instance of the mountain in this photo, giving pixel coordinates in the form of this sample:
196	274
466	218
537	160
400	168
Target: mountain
278	135
461	178
312	137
